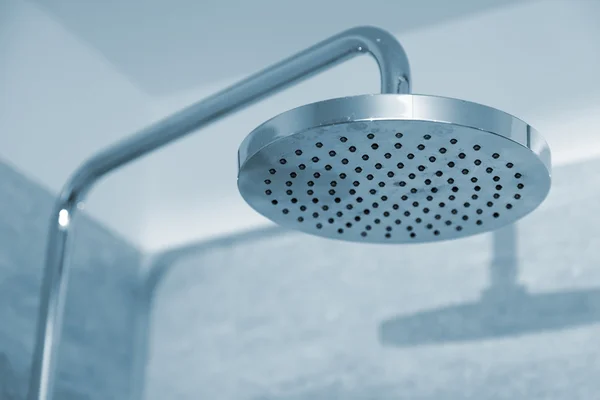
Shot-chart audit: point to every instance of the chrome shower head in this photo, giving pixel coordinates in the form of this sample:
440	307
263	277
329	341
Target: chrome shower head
389	168
394	168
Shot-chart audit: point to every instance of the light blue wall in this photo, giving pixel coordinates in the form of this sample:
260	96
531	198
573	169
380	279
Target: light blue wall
279	315
288	316
96	357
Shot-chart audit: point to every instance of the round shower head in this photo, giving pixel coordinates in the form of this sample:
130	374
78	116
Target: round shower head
394	168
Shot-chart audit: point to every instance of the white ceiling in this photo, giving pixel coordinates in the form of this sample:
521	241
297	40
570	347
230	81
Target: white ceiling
79	75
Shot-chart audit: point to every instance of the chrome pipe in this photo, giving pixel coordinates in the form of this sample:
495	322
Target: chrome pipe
395	78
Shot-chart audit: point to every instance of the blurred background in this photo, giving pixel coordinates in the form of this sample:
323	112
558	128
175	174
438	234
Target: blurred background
180	290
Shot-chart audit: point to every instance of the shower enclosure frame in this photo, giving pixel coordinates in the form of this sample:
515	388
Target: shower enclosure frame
395	79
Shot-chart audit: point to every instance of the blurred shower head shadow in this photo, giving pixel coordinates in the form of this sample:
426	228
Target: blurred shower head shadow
505	308
516	314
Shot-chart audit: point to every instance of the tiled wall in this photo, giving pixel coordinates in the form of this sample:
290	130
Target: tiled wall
294	317
96	356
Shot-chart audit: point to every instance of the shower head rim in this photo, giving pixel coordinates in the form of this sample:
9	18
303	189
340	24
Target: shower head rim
416	107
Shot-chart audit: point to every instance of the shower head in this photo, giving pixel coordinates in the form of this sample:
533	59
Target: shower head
394	168
387	168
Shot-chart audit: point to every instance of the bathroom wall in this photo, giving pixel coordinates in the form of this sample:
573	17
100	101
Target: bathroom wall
96	357
280	315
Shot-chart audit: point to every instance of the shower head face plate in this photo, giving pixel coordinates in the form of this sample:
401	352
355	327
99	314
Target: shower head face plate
394	169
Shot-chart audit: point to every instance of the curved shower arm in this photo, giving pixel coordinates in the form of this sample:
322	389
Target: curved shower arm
395	78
